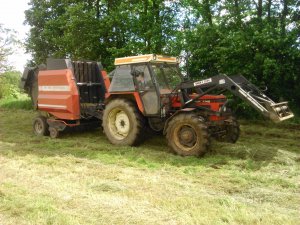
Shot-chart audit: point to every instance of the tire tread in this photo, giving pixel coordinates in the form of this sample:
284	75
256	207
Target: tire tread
194	118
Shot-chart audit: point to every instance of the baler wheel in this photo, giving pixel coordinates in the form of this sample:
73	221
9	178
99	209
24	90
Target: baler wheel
40	126
187	135
123	123
54	133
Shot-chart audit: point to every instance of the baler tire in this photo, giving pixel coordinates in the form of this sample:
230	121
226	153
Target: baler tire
54	133
40	126
129	131
191	124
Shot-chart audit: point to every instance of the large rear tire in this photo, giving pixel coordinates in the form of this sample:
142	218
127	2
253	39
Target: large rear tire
122	123
187	135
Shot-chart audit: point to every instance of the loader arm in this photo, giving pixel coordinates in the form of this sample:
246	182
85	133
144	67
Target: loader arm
242	88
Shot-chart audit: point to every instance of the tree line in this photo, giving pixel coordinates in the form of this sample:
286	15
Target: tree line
259	39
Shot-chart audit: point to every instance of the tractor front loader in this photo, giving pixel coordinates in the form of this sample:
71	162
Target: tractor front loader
143	91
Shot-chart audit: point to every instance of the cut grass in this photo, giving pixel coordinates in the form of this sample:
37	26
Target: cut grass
82	179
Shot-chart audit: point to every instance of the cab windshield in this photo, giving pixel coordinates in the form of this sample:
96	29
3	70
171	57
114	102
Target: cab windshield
168	76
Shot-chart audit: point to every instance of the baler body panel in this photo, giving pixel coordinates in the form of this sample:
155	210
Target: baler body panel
58	94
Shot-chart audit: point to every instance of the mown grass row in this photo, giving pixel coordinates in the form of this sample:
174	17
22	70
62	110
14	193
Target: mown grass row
81	178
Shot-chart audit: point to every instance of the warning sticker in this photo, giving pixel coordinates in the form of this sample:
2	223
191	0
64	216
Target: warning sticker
198	83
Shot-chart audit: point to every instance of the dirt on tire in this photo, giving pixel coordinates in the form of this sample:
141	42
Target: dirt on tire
191	128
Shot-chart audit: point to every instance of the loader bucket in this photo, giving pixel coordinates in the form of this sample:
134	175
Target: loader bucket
279	111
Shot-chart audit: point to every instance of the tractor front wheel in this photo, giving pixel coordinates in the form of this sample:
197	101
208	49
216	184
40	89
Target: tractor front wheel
122	122
187	135
232	131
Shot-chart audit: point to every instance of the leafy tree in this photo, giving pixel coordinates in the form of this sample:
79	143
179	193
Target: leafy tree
7	39
259	39
102	29
9	84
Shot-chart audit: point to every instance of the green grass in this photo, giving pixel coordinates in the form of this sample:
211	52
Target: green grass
81	178
23	102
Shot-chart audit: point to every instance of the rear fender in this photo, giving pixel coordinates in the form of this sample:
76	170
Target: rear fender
132	96
185	110
105	79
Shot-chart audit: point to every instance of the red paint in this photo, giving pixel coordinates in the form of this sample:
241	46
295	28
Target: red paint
106	79
69	99
213	102
135	95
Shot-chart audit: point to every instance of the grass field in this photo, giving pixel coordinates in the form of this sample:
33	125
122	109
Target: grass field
82	179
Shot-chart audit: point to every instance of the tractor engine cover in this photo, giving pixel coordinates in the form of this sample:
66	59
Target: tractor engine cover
58	94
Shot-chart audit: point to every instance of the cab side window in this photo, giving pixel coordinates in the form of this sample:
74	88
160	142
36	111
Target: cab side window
122	79
142	77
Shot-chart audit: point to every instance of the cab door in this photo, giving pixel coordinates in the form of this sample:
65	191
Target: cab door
146	89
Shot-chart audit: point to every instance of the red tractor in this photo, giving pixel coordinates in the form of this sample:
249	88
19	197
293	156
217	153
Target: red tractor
143	91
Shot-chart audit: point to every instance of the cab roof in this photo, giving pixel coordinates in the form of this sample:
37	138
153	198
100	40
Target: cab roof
145	58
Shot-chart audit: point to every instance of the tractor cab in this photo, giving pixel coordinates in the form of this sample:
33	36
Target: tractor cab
152	77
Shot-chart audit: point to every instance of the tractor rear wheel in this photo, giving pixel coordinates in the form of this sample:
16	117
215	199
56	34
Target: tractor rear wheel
122	122
187	135
40	126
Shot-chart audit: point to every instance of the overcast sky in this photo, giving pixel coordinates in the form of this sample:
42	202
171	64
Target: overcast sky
12	17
